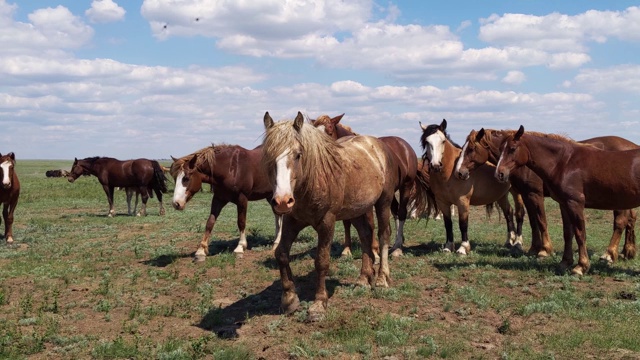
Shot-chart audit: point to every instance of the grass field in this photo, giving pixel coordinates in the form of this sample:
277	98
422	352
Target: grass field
80	285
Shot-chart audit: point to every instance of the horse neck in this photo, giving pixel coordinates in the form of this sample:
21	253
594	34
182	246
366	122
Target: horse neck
341	131
493	148
545	154
449	157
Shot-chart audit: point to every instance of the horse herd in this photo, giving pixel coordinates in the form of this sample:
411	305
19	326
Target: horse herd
316	172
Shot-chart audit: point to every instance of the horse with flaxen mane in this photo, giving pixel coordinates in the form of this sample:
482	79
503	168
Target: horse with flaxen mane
578	176
317	181
143	174
484	145
480	189
413	187
235	174
9	192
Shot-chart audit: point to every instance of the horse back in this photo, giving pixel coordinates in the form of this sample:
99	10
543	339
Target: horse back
240	171
405	157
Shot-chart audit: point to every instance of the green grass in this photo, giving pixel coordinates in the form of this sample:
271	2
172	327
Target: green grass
80	285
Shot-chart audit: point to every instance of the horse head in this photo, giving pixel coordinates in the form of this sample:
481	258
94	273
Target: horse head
328	125
188	181
475	152
77	169
513	155
7	164
433	140
282	153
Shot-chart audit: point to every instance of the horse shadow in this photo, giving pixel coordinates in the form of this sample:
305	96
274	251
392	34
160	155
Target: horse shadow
224	321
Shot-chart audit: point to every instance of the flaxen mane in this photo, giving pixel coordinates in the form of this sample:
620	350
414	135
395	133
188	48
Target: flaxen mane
320	160
205	156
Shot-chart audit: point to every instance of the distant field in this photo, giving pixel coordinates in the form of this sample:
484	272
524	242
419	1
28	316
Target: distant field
79	285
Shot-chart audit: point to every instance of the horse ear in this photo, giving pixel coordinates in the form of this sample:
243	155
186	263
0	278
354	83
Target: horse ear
422	126
519	133
172	158
268	121
336	119
12	155
443	125
297	123
480	134
192	161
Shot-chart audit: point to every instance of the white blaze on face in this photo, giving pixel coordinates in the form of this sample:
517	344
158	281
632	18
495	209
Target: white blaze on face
6	180
461	158
180	191
283	177
436	145
500	160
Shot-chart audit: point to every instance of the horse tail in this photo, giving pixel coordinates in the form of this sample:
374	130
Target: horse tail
160	180
489	209
422	198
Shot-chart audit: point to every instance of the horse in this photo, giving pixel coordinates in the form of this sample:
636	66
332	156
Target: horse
130	192
143	174
316	181
481	188
410	188
578	176
235	175
484	145
9	193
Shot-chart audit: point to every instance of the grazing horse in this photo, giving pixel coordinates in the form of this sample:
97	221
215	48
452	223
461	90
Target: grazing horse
410	187
143	174
484	145
481	188
578	176
9	192
235	174
316	181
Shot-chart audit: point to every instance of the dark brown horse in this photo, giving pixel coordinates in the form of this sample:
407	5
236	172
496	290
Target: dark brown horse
235	174
481	189
484	145
9	192
317	181
410	187
578	176
143	174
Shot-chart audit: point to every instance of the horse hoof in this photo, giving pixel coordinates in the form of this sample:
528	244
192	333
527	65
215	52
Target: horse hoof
542	254
290	303
346	253
397	253
376	260
381	281
606	258
364	281
199	258
577	271
317	311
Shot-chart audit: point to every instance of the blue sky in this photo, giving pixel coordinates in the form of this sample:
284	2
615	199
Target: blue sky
159	78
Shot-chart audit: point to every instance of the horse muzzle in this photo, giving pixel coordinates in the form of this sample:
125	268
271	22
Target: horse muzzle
282	204
463	174
6	185
178	205
435	167
502	176
71	180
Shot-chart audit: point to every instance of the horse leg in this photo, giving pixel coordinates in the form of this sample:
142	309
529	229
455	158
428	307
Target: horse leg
399	212
383	214
290	229
159	195
629	249
507	212
448	227
278	235
144	191
241	206
109	191
203	248
7	214
346	247
129	192
463	224
135	207
325	231
365	226
518	205
620	221
567	234
576	214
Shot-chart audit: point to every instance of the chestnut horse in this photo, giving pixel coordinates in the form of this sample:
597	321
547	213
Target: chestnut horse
143	174
316	181
9	192
484	145
235	175
411	189
481	188
578	176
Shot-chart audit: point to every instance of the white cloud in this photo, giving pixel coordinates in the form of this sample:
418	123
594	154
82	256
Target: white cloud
514	77
105	11
625	78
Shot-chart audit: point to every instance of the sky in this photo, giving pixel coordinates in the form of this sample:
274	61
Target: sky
161	78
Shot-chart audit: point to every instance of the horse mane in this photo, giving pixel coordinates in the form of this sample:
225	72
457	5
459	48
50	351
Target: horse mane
321	154
206	155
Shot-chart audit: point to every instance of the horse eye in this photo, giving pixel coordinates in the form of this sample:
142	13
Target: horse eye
298	156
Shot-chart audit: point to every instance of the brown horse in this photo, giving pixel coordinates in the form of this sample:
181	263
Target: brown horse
411	189
481	188
484	145
235	174
316	181
578	176
143	174
9	193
